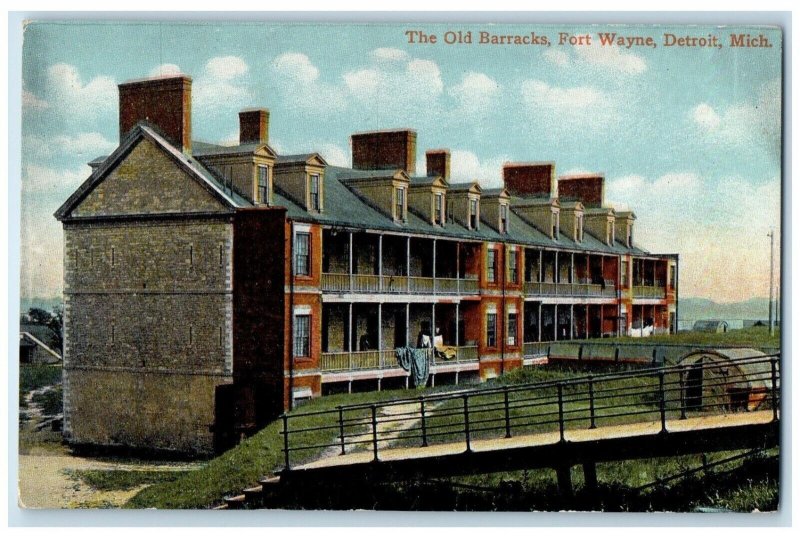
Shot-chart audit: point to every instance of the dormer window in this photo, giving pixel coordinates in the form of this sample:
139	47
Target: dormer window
503	218
438	208
473	214
263	185
400	204
314	202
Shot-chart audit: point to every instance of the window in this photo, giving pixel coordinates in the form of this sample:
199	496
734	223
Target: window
438	208
400	203
512	266
512	328
301	249
491	265
263	184
302	335
503	218
315	205
473	214
491	329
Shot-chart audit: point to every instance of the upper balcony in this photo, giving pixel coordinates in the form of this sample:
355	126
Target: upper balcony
654	290
568	274
358	262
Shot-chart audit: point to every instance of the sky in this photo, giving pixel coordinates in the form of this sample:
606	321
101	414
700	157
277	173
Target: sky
689	138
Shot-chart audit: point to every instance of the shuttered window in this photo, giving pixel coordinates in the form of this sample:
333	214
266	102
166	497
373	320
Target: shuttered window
302	335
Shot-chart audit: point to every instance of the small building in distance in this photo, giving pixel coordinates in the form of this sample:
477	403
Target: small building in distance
710	326
38	344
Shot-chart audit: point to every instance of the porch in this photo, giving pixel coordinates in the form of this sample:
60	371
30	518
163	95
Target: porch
570	274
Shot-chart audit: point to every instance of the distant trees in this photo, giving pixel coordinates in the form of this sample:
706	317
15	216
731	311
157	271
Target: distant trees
54	320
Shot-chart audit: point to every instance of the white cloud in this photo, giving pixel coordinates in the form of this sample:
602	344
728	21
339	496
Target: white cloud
70	95
744	124
362	83
537	93
389	54
30	101
85	145
222	85
610	59
43	180
296	66
475	92
334	155
164	70
718	227
466	166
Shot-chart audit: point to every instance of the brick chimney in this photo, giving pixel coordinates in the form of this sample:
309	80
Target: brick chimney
254	126
437	163
385	150
164	102
530	179
588	188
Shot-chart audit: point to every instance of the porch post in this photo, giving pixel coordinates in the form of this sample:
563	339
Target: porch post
572	268
540	320
433	321
434	266
555	319
556	276
602	320
380	262
380	331
408	307
457	334
408	264
350	327
586	327
571	320
350	262
541	273
458	260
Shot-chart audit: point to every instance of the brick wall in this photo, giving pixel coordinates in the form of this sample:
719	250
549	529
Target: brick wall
385	150
165	103
587	189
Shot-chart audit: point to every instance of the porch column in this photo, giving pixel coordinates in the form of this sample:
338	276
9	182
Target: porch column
380	262
380	331
586	327
555	322
556	278
457	340
602	320
572	268
539	321
408	264
350	262
541	272
571	320
433	321
458	260
350	327
433	270
408	307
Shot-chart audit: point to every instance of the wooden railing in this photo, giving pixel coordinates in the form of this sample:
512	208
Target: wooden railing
649	292
341	361
345	283
573	289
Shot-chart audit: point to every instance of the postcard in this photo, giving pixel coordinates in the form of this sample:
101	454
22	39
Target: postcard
416	267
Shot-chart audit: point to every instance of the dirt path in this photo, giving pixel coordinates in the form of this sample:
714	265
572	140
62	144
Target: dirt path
46	481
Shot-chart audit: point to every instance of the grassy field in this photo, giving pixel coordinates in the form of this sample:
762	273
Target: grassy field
750	337
32	377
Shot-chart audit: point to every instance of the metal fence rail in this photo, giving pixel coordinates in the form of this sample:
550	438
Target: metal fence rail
655	395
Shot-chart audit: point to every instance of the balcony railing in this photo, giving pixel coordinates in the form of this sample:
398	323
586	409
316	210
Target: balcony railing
566	289
535	349
342	361
649	292
345	283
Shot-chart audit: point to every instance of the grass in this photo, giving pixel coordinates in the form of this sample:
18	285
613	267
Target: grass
751	337
32	377
50	401
123	480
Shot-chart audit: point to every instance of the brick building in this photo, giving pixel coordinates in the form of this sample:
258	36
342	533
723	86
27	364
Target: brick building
209	287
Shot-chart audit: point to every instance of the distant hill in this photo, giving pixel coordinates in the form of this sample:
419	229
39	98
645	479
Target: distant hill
47	303
694	308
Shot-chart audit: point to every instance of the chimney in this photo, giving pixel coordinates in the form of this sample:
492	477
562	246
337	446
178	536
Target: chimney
254	126
385	150
164	102
588	188
530	179
437	163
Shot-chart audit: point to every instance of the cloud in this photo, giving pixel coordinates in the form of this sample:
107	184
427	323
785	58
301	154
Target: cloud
38	179
609	59
83	145
296	66
475	92
467	166
30	101
389	54
68	94
756	122
718	226
164	70
222	85
536	94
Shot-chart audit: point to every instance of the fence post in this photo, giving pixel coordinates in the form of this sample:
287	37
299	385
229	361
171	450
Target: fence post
374	433
561	411
466	422
592	424
616	353
341	428
580	352
508	416
548	353
655	352
662	402
683	392
424	427
285	418
774	362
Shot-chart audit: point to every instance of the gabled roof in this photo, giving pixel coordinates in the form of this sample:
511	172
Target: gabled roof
427	181
42	333
28	340
301	158
600	211
204	149
467	186
499	192
518	201
365	176
193	167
